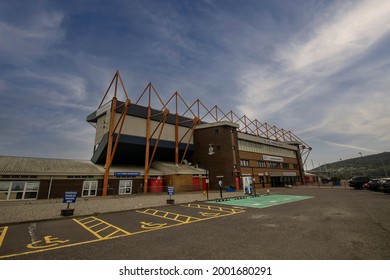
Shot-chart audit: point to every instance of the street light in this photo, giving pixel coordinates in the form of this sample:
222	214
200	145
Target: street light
210	153
253	183
383	165
361	156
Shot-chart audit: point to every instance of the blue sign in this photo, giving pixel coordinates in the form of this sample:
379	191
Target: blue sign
171	190
70	197
125	174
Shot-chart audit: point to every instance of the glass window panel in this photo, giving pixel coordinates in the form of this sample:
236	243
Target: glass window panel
30	195
4	186
16	195
32	186
3	195
17	186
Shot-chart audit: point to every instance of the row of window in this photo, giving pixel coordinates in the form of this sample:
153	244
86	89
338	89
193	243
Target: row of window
264	149
19	190
269	164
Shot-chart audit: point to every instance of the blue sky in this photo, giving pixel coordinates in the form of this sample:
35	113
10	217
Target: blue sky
317	68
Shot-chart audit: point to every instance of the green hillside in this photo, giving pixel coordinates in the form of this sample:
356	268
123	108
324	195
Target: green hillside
377	165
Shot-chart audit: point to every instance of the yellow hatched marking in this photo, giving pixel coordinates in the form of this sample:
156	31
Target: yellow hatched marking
85	221
169	215
97	224
113	233
103	229
214	208
3	231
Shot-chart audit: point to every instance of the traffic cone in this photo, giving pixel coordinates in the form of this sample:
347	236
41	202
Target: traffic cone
204	193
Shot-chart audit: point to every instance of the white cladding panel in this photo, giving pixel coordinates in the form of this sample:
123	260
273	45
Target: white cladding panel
135	126
102	127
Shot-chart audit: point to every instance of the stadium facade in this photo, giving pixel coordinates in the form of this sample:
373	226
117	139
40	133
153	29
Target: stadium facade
143	148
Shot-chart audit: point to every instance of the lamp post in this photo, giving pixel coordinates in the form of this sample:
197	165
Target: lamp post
210	153
220	186
253	183
207	183
361	156
383	165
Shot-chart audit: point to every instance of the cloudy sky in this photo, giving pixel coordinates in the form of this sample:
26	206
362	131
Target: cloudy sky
317	68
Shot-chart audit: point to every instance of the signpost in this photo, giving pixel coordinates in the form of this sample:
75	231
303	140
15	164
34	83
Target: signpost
69	197
171	191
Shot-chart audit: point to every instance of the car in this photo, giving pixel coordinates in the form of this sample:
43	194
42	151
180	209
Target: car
384	185
373	184
358	182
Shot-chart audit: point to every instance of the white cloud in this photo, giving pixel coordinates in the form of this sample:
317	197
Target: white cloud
22	44
349	146
347	34
305	68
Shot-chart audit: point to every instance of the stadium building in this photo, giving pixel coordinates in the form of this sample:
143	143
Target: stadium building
138	148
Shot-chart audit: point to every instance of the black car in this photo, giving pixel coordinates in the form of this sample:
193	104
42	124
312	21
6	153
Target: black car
358	182
373	184
384	185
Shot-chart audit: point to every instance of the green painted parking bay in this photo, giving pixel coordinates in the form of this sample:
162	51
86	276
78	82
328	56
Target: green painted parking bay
263	201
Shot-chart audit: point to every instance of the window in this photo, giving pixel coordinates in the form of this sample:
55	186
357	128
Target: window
125	186
10	190
265	149
295	166
286	166
244	162
272	164
261	164
90	188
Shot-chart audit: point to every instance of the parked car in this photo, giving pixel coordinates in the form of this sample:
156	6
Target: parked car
358	182
373	184
385	185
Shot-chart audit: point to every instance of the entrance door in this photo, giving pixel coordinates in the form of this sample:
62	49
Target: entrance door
277	182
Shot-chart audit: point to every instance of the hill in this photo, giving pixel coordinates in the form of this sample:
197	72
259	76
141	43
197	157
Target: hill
377	165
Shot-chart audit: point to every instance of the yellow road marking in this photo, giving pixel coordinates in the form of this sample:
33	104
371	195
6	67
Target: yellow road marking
49	240
214	208
3	231
152	225
169	215
208	214
109	237
85	223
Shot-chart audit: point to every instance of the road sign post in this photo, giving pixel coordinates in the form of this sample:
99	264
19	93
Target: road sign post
171	191
69	197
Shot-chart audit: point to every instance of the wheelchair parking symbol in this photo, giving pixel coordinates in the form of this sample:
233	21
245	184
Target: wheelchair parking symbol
47	242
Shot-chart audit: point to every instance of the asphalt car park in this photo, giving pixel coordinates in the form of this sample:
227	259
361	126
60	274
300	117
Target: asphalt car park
25	239
295	224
